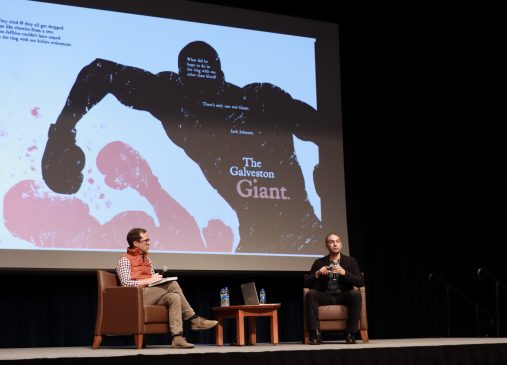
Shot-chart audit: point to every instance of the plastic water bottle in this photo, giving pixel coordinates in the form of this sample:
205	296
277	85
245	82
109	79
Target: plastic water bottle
226	297
222	297
263	296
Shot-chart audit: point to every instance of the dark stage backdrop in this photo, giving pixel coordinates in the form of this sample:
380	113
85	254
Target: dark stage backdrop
425	185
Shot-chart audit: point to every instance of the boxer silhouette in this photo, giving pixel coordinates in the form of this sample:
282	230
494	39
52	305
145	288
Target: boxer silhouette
240	137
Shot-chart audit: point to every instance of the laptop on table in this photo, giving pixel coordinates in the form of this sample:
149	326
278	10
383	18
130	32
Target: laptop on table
249	292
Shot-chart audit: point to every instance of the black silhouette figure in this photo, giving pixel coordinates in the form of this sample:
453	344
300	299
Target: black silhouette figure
218	125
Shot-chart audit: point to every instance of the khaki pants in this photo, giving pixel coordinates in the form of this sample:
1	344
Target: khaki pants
171	296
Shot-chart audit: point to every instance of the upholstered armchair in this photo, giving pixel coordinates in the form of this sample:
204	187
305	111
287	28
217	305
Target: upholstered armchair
334	317
120	311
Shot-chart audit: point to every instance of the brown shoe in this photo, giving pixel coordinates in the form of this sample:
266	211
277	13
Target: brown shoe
180	342
200	323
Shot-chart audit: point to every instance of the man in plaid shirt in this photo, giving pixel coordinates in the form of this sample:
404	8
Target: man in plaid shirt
135	268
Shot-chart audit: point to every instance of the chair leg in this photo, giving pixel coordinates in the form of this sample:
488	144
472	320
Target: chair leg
139	341
96	342
364	336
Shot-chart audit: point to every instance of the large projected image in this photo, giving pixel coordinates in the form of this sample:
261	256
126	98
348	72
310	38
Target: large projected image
205	135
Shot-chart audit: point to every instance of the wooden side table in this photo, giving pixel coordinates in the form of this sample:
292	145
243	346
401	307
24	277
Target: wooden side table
240	312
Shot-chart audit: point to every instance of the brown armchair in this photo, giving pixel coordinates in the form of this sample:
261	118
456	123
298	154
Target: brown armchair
334	317
120	311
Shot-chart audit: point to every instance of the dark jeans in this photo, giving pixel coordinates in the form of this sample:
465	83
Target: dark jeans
351	299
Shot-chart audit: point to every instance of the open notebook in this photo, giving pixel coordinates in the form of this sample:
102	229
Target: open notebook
249	294
164	280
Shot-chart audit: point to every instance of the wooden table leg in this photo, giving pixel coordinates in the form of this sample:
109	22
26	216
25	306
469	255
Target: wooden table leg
219	334
273	321
252	331
240	328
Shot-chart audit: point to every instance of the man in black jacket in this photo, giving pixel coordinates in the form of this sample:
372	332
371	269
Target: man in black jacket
331	281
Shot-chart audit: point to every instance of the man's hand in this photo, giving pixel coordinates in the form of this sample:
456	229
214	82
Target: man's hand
155	277
337	269
146	282
323	271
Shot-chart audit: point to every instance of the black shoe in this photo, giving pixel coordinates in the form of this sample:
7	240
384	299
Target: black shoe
315	337
350	338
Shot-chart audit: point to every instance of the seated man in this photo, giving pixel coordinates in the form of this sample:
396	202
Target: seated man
330	280
136	269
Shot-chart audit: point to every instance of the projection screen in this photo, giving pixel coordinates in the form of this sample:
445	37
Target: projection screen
216	129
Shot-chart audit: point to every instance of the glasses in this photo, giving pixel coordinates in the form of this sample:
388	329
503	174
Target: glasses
147	241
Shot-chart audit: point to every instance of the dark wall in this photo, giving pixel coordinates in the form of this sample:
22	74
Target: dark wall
424	167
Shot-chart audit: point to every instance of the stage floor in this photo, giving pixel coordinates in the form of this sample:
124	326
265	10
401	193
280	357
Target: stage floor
104	352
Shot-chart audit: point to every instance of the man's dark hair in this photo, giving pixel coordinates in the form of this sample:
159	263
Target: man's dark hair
134	235
329	234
